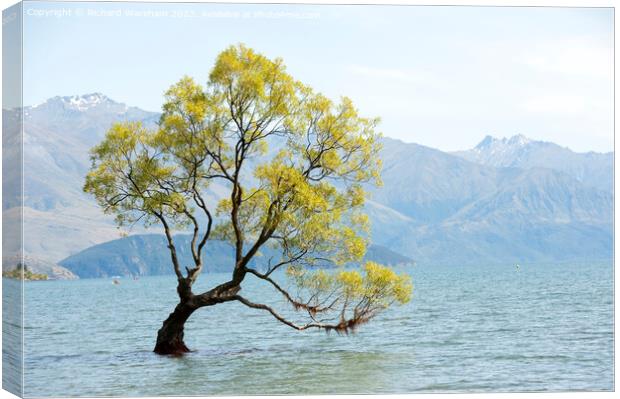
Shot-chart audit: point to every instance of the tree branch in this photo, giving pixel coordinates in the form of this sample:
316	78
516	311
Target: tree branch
296	304
345	326
171	247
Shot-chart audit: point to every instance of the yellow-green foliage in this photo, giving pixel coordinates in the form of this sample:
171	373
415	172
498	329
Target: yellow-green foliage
358	296
307	199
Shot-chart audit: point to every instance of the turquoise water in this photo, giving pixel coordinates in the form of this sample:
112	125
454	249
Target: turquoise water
482	329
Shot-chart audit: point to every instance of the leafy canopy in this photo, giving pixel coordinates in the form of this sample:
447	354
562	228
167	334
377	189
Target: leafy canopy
292	164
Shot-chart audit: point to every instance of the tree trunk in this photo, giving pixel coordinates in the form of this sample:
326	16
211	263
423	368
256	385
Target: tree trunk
170	335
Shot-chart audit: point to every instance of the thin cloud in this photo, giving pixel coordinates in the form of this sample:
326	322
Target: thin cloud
568	105
393	74
555	104
571	58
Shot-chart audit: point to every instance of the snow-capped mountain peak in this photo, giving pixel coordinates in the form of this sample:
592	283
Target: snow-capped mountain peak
96	111
505	151
490	142
78	102
519	140
521	152
86	101
486	142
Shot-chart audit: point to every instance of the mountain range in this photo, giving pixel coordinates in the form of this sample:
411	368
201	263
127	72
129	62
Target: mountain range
454	210
505	200
60	218
147	254
592	169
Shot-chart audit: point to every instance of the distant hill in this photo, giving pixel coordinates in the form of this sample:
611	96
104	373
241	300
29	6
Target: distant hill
427	185
505	200
58	134
455	211
148	255
38	266
590	168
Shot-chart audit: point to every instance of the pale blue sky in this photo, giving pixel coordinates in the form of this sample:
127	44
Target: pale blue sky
439	76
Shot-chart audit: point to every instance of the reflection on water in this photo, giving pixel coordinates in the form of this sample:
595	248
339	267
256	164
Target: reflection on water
546	328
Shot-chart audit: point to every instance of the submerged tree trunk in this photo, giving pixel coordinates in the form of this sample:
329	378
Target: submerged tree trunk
170	335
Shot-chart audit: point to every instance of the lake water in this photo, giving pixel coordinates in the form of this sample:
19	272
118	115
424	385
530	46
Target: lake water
468	329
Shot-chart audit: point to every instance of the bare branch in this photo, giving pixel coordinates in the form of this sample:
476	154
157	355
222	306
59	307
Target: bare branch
345	326
312	310
171	247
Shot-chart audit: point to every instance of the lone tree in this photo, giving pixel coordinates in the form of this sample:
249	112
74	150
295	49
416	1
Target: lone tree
294	163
